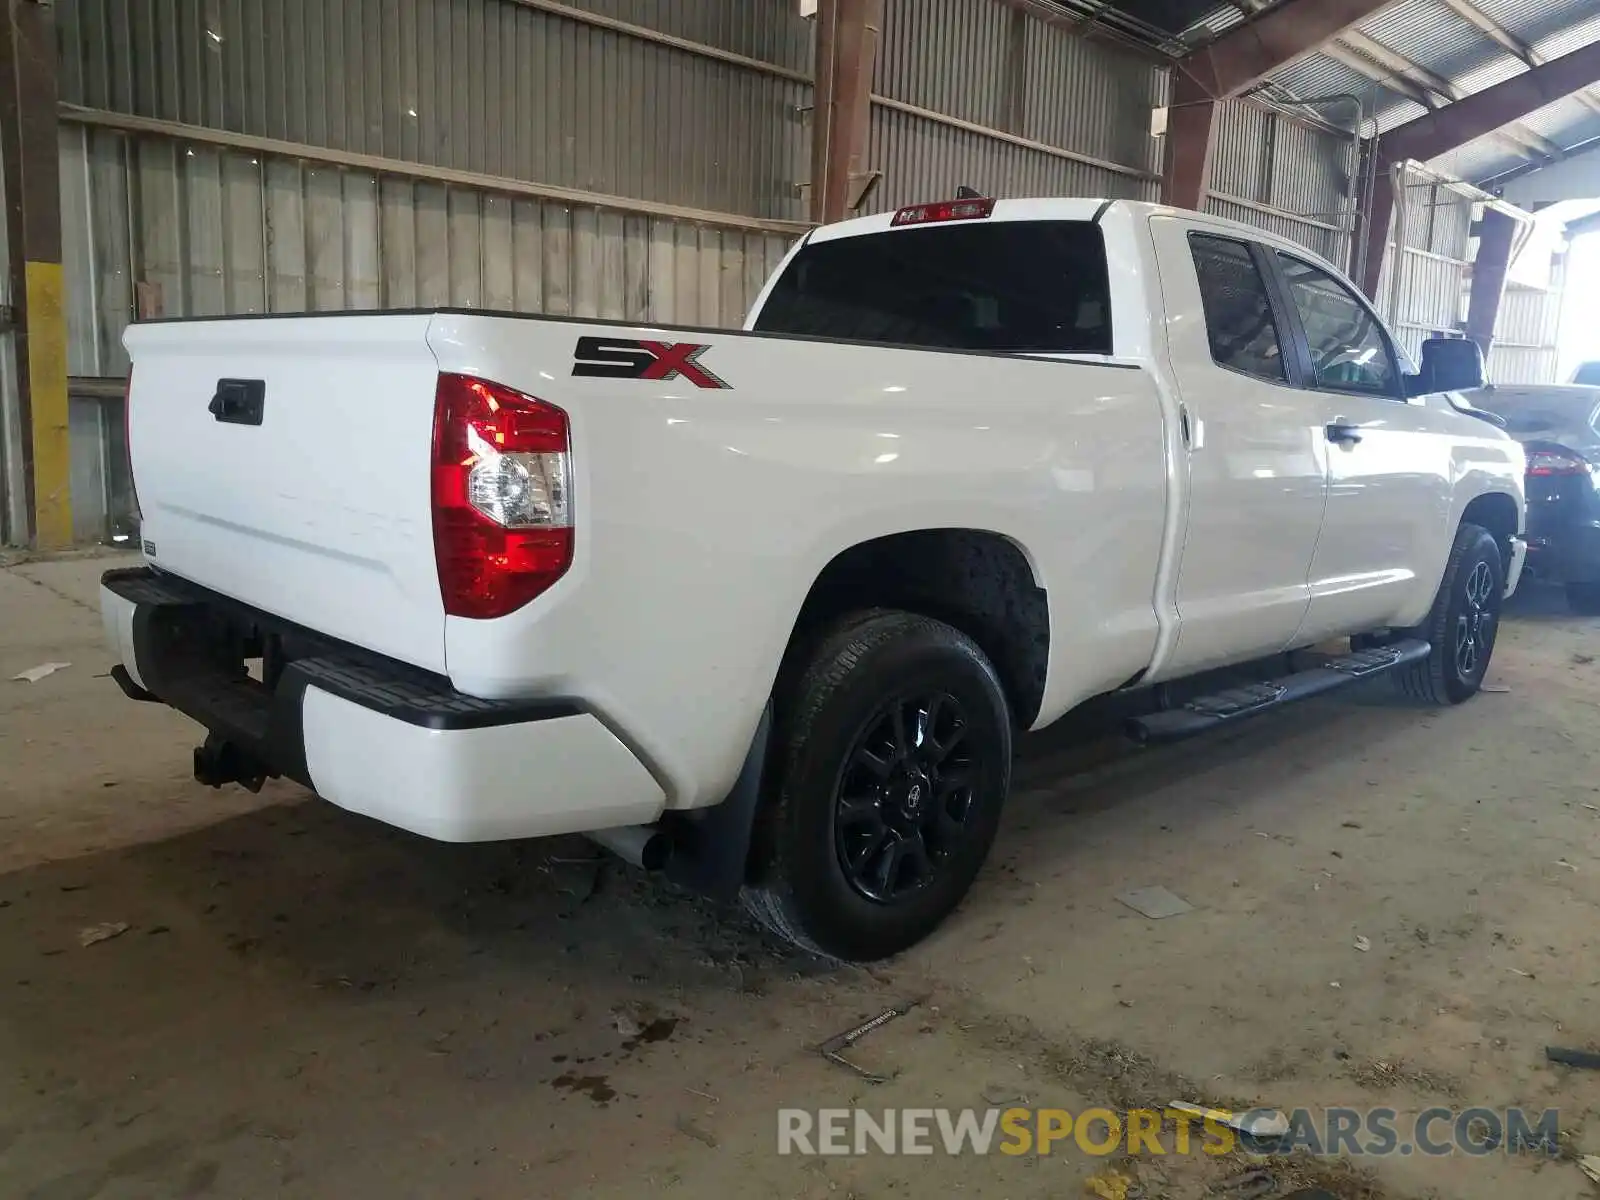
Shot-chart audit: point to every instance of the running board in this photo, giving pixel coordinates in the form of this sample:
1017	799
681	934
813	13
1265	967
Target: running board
1207	712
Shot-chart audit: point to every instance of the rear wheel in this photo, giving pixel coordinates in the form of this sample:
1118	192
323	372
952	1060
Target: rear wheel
894	745
1584	598
1463	624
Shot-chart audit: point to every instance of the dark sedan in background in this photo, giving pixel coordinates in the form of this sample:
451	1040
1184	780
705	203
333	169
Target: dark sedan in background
1559	428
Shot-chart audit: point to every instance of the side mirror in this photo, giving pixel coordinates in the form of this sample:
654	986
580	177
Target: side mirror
1449	365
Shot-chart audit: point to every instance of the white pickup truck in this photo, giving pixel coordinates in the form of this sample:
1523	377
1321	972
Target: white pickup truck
766	608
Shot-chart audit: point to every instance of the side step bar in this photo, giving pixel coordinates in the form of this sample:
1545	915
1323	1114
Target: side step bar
1207	712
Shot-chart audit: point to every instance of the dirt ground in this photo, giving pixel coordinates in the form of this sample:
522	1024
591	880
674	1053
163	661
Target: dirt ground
307	1004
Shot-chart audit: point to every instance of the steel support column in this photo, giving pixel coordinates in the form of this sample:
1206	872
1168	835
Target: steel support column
1376	222
1496	235
29	151
1191	137
847	47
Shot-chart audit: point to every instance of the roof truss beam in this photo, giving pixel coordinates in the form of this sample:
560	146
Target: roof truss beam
1482	113
1248	53
1509	42
1369	57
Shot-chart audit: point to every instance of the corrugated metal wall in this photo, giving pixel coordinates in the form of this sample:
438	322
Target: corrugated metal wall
210	231
1284	175
1437	226
494	86
1527	336
1036	110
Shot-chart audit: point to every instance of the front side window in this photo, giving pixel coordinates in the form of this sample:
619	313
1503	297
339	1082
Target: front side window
1349	351
1239	321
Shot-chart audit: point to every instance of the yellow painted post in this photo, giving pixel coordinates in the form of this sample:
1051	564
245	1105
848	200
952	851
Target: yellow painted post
46	315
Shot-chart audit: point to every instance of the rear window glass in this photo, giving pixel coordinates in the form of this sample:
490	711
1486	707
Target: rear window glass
1018	287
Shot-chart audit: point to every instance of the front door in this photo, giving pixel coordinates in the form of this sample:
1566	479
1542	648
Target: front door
1254	453
1389	470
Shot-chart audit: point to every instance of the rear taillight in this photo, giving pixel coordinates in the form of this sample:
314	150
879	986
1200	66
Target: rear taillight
1555	460
127	442
944	210
502	496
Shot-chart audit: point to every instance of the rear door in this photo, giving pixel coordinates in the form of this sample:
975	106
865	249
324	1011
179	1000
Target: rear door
1390	478
1255	455
285	462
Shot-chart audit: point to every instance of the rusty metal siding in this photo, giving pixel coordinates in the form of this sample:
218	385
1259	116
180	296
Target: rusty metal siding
1238	165
1430	298
202	230
1430	294
1283	175
951	56
1527	336
770	30
1523	364
1086	101
1313	172
925	160
483	85
1091	97
1326	242
209	231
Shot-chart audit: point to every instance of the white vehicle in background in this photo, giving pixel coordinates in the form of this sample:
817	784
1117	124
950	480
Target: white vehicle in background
767	608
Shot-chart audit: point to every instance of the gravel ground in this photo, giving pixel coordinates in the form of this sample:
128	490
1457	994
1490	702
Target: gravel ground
304	1003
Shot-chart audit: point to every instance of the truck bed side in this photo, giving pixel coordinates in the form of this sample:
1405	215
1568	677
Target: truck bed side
705	514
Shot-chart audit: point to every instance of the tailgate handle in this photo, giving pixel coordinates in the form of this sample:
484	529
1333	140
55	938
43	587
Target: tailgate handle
239	401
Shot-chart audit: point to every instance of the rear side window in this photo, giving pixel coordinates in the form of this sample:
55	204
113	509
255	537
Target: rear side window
1019	287
1239	320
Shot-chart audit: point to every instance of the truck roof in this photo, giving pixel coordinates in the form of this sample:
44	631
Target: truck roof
1077	208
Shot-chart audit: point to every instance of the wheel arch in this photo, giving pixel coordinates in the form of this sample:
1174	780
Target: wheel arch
1500	514
979	581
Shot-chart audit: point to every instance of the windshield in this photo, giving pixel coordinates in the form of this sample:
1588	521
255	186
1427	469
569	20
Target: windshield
1020	287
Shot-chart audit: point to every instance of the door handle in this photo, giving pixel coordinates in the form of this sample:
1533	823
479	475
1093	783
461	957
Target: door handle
1342	433
1193	428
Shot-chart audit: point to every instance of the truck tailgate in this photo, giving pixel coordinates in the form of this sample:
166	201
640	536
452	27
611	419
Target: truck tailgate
285	462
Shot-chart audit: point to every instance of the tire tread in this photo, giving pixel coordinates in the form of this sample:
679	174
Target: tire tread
1425	679
805	687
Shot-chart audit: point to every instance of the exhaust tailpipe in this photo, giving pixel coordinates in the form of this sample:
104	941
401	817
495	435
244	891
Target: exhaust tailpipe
642	845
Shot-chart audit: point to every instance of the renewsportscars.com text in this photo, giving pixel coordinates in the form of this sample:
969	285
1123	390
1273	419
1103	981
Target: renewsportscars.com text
1154	1132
